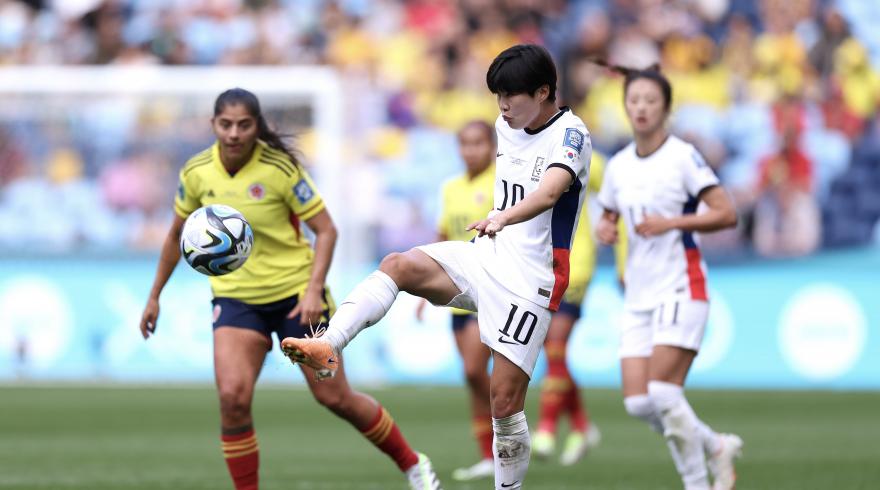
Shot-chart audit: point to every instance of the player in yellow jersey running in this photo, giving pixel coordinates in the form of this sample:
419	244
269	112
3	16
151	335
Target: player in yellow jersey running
559	391
279	289
468	198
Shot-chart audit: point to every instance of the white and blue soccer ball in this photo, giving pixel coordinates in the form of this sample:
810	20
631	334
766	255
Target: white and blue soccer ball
216	240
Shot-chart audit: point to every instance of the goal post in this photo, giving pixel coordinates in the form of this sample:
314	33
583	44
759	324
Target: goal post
66	99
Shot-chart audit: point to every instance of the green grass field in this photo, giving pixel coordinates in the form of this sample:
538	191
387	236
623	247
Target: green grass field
150	438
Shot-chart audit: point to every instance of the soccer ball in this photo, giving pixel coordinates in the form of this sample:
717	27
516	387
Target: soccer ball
216	240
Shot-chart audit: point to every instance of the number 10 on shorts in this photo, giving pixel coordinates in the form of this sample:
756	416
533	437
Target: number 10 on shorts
524	328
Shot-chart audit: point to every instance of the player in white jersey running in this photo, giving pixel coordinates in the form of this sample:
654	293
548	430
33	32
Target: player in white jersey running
655	185
516	270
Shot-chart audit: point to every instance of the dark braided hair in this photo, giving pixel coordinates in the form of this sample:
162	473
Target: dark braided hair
632	74
252	104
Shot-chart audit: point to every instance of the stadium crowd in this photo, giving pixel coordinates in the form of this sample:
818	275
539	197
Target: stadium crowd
781	96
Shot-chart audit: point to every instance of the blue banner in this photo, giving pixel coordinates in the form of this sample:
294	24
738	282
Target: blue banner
806	323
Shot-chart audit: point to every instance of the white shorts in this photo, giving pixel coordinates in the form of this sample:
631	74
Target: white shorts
509	324
677	322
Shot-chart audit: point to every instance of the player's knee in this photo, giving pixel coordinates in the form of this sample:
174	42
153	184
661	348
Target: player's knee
639	406
401	267
475	375
506	401
333	400
234	404
394	265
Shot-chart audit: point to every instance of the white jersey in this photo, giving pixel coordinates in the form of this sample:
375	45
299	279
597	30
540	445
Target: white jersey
666	183
531	258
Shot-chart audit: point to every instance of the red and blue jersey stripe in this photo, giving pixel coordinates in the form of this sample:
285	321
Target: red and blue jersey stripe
562	225
696	277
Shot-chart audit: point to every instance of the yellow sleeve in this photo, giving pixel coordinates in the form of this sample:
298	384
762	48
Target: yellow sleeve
186	200
597	171
443	224
302	196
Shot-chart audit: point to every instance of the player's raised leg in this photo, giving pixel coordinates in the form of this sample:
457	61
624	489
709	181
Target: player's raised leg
238	356
374	423
413	271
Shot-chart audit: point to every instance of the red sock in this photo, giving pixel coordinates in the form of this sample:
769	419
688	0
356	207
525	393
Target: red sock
554	388
482	429
384	433
242	458
580	418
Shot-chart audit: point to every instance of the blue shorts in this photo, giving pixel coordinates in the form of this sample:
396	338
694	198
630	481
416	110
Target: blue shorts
570	309
266	318
461	321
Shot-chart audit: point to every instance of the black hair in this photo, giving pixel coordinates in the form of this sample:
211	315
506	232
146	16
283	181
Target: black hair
522	69
252	104
632	74
483	125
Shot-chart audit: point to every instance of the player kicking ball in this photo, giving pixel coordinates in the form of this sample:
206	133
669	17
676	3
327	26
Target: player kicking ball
514	273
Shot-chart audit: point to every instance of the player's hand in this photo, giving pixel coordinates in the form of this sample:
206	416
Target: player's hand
420	310
149	318
310	308
606	231
488	226
653	225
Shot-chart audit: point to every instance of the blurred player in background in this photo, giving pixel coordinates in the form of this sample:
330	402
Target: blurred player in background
465	199
279	289
559	391
656	184
515	272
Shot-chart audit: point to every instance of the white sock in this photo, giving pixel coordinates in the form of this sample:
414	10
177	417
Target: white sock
683	437
513	447
365	305
640	406
710	438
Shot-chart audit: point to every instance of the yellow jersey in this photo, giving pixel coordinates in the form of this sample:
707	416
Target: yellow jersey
466	200
275	196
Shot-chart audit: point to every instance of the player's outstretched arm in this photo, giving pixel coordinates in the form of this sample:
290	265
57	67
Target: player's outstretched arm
555	182
720	214
167	262
311	306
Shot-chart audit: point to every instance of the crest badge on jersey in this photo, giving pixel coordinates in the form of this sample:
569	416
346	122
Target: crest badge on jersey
574	139
538	169
256	191
303	191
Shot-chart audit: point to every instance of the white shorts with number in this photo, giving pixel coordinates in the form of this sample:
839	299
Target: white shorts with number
678	322
509	324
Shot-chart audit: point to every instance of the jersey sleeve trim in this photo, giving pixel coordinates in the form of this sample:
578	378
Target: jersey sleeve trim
312	211
704	189
181	212
563	166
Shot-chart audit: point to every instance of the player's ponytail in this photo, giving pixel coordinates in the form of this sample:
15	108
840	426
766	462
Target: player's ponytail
632	74
252	104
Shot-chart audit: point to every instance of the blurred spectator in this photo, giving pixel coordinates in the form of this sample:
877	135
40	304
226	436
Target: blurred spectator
786	219
416	67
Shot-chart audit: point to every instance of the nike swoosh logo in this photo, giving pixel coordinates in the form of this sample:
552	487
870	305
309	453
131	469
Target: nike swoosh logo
505	341
498	155
508	485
